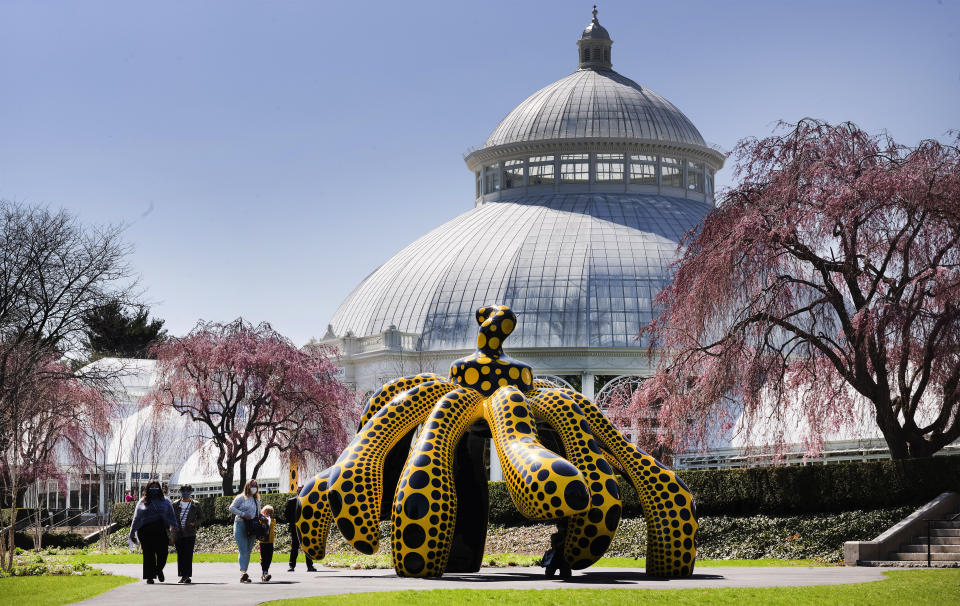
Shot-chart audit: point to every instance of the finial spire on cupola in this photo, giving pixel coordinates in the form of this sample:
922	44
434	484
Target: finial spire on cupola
594	45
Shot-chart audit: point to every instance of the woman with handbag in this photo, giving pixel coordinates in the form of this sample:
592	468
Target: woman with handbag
153	525
189	516
246	510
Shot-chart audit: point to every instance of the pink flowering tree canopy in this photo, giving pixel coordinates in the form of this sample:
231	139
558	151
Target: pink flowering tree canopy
253	393
826	282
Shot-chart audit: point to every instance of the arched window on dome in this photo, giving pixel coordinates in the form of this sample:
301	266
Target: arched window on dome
585	54
643	169
541	170
478	184
606	55
671	172
709	182
609	168
512	174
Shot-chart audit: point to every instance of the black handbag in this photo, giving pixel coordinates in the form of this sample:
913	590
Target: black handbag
257	527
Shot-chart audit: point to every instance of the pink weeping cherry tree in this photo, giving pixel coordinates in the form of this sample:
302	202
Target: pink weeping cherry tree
253	393
45	421
824	288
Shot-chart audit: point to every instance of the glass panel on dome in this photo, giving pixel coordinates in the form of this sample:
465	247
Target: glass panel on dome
672	174
609	168
512	174
541	170
541	174
643	170
575	168
491	179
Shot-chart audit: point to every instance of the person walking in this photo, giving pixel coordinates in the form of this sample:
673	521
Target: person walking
153	521
189	517
290	513
246	506
266	544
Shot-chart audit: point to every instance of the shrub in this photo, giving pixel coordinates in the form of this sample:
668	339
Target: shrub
790	490
822	488
24	540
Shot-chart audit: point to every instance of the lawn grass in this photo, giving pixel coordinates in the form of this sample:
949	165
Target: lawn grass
900	588
56	590
641	563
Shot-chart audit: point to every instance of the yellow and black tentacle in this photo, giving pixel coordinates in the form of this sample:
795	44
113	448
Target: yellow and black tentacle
588	534
313	516
356	479
390	390
425	506
543	485
667	503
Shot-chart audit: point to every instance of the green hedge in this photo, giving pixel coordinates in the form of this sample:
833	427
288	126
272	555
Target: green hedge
823	488
790	490
759	490
216	509
24	540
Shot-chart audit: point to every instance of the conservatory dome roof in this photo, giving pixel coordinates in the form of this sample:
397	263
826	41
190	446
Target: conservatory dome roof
595	104
580	270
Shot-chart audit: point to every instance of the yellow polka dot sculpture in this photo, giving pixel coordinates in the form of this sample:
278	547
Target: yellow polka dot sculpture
495	395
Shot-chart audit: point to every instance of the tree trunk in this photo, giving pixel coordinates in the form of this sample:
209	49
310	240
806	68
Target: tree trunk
12	535
227	483
243	473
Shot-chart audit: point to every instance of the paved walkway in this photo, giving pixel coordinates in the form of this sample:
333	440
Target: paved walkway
218	583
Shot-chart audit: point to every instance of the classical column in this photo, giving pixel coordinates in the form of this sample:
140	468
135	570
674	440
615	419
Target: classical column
586	385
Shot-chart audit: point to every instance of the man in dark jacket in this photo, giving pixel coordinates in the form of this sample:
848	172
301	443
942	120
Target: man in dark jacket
189	516
290	513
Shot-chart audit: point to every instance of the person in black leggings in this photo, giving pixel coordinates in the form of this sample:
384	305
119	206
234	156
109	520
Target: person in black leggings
153	520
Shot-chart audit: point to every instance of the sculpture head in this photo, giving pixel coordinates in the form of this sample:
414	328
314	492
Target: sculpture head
488	368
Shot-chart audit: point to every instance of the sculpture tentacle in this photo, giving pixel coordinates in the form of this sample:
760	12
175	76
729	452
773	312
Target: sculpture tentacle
542	485
588	534
314	516
356	479
390	391
425	507
667	503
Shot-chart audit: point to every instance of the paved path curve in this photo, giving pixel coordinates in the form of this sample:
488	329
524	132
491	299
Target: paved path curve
218	583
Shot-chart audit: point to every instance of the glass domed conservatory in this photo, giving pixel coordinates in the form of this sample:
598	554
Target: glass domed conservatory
581	195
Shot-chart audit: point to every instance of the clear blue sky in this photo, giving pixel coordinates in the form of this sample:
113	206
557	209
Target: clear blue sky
267	156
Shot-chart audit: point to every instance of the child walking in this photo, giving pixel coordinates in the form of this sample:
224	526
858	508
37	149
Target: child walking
266	545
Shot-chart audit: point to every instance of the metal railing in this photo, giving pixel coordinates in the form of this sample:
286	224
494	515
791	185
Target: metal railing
930	523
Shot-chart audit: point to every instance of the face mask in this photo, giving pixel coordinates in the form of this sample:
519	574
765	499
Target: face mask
186	494
253	490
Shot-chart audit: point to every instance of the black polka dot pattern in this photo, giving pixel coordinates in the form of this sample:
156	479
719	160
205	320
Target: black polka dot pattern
356	479
488	369
314	518
528	466
390	391
668	507
588	534
425	504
